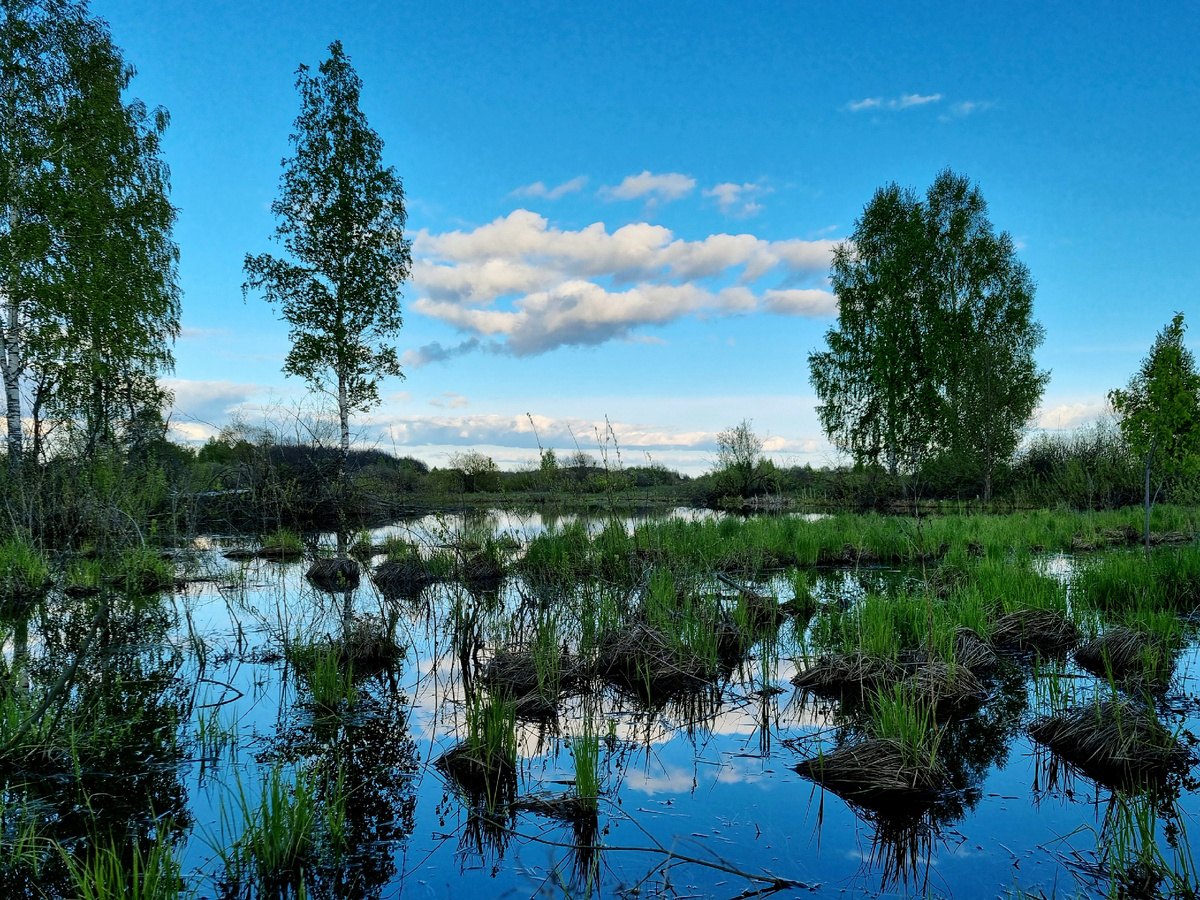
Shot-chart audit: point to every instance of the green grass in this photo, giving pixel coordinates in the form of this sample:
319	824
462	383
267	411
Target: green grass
113	873
284	540
326	672
142	570
764	543
585	749
898	714
492	732
269	839
23	569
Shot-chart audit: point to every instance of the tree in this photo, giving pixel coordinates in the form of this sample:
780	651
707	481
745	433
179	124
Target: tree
479	472
1160	411
341	219
933	349
740	462
87	260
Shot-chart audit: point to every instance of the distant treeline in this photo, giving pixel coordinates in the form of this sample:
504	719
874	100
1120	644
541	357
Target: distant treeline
154	487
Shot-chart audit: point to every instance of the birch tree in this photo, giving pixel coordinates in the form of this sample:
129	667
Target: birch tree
1159	412
341	220
88	278
933	348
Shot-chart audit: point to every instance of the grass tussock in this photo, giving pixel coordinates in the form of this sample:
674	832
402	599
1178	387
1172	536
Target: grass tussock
485	763
334	574
1129	653
1045	631
283	544
875	771
1114	740
849	676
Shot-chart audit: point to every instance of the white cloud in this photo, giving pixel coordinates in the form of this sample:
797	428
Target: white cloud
513	430
738	199
449	400
530	287
656	188
801	302
865	103
904	101
207	401
1066	416
966	108
907	100
539	189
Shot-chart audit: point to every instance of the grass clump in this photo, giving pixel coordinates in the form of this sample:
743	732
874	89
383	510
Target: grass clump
143	570
485	762
277	833
334	574
113	873
281	544
1125	653
1036	630
24	572
585	748
1115	740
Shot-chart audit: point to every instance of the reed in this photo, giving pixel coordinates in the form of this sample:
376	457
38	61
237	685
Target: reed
113	873
24	572
585	749
275	832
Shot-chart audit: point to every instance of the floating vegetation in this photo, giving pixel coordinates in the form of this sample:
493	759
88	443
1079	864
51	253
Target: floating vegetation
851	676
972	651
875	772
1045	631
951	689
668	637
402	577
334	574
283	544
1125	653
1114	740
485	763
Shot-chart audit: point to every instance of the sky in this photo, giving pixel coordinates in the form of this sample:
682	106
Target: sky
622	214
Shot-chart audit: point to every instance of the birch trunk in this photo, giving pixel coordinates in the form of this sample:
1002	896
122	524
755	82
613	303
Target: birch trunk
11	364
344	417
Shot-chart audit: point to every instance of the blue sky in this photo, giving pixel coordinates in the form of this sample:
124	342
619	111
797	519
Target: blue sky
626	209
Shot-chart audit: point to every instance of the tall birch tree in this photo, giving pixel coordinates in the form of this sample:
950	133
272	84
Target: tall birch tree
341	220
1159	412
88	280
933	349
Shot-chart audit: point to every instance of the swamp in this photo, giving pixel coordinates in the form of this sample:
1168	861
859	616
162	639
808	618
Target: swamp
675	704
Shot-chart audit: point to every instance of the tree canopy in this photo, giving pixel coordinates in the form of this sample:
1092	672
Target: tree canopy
932	353
341	220
87	259
1159	411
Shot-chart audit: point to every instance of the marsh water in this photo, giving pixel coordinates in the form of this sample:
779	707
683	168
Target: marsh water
697	793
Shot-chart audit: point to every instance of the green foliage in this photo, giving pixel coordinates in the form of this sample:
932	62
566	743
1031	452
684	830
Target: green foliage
341	219
111	873
285	541
741	470
933	350
477	471
23	570
276	832
1160	411
87	260
585	748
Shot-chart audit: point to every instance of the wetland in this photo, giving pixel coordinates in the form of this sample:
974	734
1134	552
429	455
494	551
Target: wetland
683	704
